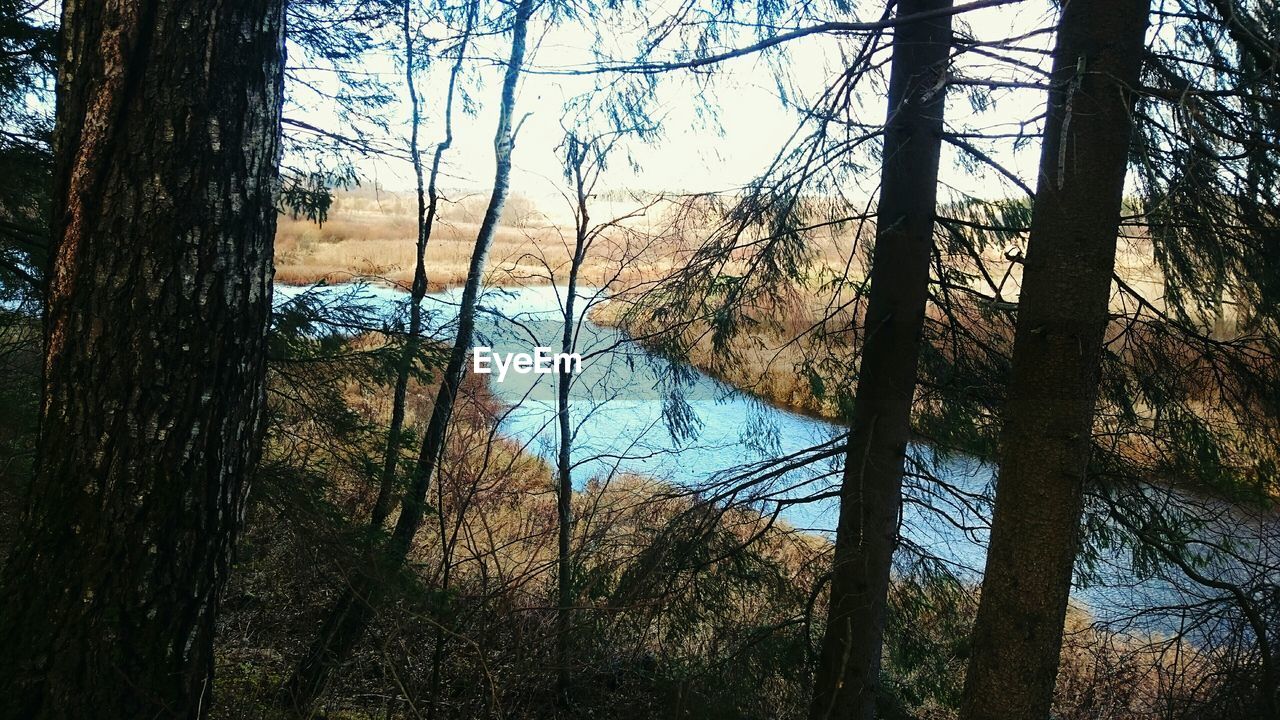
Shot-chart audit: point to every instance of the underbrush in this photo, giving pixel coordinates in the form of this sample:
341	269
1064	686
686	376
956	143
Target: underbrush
684	607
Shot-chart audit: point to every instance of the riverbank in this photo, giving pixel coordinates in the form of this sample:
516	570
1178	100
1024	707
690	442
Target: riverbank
764	367
797	358
665	581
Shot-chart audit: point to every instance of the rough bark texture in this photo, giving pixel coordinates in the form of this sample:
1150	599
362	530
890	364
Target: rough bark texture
871	494
350	616
1062	314
167	146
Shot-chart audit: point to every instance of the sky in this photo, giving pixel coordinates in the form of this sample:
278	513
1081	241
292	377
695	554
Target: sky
694	152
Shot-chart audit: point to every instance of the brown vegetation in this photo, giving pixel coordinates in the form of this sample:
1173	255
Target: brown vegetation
370	233
668	587
474	626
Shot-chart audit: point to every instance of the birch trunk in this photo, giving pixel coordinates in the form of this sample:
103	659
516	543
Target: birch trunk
350	616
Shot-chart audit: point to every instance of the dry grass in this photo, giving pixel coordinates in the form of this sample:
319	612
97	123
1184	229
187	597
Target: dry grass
1106	674
767	362
810	325
368	236
355	243
494	526
372	234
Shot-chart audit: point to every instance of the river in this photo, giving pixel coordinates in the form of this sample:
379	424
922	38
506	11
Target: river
638	413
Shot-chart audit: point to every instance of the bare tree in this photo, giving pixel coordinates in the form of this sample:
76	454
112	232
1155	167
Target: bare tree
428	195
350	616
582	171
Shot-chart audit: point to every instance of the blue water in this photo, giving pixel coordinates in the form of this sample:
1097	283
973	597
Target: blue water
636	413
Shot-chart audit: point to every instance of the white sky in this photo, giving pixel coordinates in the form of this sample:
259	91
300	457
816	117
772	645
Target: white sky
693	153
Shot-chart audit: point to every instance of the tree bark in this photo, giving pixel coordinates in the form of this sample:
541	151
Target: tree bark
564	492
1062	315
350	616
167	153
848	670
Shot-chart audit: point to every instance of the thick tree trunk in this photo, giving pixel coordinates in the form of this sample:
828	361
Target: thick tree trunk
871	494
168	146
350	616
1062	314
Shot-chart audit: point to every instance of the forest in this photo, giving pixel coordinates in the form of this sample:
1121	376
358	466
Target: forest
715	359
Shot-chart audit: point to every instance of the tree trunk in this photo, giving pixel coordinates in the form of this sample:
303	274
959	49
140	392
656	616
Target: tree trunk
564	501
1062	315
443	632
428	194
168	143
350	616
417	291
564	456
871	493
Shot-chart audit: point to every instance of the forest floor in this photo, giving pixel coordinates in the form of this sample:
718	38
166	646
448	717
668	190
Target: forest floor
651	562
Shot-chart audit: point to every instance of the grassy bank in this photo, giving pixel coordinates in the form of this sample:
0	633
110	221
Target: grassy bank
684	609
